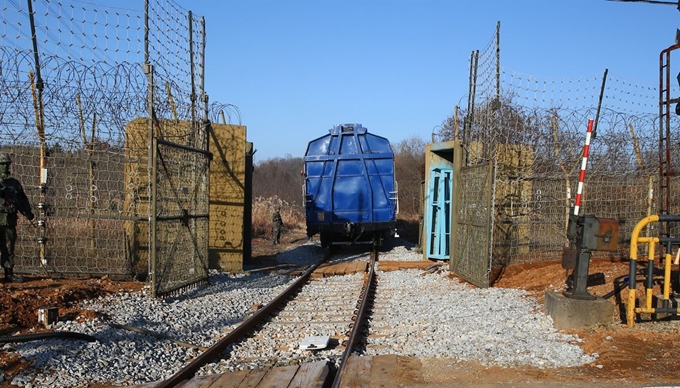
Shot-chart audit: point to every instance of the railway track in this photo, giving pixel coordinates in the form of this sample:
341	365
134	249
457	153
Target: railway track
313	320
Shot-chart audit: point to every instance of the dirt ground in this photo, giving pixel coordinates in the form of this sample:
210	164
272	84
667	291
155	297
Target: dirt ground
648	353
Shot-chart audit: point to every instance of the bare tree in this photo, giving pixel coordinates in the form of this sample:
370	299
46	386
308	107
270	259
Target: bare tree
279	177
409	160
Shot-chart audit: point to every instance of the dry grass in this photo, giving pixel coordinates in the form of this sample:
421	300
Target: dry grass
263	208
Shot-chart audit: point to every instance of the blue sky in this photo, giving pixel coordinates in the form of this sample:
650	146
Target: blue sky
296	67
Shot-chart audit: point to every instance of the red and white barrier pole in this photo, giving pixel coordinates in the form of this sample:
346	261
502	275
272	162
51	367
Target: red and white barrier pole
584	162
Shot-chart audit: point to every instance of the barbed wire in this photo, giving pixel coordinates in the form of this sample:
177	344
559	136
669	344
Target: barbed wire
84	94
534	128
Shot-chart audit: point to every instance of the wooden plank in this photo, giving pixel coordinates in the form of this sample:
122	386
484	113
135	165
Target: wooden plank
356	267
334	269
198	382
409	370
384	371
278	377
253	378
326	271
229	379
310	375
341	269
397	265
357	372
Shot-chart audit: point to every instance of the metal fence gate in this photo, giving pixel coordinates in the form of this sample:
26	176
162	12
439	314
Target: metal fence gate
471	258
179	217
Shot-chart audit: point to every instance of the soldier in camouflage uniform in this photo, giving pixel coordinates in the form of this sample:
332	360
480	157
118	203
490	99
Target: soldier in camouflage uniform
12	200
277	224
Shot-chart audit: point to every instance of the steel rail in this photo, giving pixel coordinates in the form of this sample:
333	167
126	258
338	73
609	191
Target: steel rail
244	328
355	334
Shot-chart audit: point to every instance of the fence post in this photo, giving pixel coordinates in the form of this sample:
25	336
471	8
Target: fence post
37	89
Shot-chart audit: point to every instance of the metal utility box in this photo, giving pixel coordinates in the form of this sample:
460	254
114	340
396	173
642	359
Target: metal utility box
594	233
586	234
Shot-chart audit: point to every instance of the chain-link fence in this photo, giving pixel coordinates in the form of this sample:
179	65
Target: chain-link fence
473	254
75	78
534	131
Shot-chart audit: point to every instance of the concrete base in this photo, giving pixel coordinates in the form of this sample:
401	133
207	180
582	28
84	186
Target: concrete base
568	313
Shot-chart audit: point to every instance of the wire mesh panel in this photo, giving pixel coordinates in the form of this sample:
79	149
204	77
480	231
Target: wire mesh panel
180	204
73	82
534	129
84	214
471	257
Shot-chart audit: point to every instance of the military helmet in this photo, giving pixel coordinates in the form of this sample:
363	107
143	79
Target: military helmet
4	158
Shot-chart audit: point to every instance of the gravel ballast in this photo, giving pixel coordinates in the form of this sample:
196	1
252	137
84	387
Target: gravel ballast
423	315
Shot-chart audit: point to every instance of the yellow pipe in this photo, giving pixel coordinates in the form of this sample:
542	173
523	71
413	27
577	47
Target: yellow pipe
666	278
636	232
648	239
648	301
647	308
648	291
630	307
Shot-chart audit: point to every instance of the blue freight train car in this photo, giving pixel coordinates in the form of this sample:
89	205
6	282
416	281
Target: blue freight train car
350	191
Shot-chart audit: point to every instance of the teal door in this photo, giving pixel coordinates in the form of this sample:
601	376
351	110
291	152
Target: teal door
439	217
